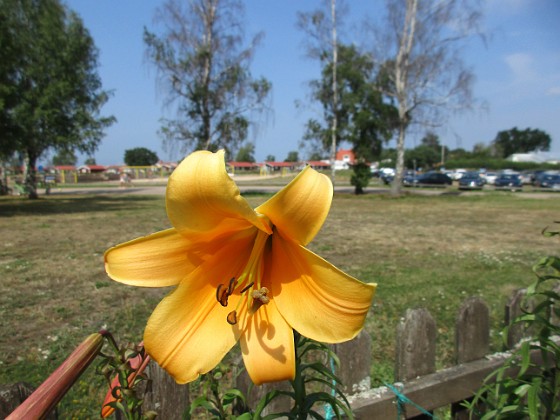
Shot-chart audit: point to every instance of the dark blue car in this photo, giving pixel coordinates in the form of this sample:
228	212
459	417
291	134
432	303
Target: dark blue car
511	182
471	181
427	179
549	181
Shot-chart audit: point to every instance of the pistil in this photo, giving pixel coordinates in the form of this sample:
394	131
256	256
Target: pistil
252	293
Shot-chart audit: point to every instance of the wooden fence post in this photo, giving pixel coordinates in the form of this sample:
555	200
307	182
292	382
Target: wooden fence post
254	393
554	317
164	395
416	347
514	308
355	363
472	340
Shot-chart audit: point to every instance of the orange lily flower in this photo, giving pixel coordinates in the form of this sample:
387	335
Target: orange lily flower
240	274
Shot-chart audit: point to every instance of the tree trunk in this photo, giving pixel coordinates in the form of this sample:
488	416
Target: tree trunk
401	84
335	90
396	186
31	176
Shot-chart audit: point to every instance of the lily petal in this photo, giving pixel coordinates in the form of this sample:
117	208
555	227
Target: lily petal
157	260
299	210
204	203
316	298
188	333
268	346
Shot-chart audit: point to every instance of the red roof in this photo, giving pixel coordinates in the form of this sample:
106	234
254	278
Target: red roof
345	153
64	167
318	163
96	167
282	164
243	164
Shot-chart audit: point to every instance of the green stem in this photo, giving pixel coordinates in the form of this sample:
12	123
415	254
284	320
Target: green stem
298	383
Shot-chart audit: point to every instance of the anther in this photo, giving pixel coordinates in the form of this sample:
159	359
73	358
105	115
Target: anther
247	287
218	296
231	286
222	295
232	318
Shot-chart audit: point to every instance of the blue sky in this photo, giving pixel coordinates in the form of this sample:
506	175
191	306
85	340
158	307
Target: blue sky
517	73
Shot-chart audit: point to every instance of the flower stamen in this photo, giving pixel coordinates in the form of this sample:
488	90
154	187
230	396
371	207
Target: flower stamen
232	318
247	287
222	296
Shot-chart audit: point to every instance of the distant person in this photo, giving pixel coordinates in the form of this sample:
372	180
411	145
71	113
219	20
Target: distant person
124	180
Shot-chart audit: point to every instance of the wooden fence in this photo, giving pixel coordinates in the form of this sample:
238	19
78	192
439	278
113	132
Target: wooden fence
416	377
416	380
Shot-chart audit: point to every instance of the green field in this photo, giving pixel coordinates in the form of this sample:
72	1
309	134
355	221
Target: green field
430	251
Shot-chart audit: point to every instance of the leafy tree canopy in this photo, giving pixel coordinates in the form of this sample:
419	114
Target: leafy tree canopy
521	141
140	156
50	92
65	157
423	156
364	119
293	156
246	153
204	69
270	158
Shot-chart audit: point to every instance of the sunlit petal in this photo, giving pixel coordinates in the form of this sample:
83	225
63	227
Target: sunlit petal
317	299
299	210
187	334
203	202
157	260
268	346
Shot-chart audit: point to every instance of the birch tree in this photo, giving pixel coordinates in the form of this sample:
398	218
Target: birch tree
322	44
203	66
420	47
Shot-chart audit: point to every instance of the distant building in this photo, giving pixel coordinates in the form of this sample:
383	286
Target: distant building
281	166
318	164
535	157
344	159
91	169
168	166
242	166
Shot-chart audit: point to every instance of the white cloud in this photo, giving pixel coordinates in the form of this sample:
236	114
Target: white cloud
521	65
553	91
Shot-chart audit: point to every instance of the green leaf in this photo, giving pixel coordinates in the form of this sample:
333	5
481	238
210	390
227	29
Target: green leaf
532	402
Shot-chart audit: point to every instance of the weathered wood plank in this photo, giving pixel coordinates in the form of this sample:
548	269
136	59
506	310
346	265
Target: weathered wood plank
472	331
416	345
514	308
167	398
430	392
472	340
355	363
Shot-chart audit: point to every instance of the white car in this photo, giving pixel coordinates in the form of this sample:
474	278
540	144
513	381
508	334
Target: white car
490	177
458	174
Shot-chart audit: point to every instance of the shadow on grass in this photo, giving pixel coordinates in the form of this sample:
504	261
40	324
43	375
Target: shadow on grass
18	206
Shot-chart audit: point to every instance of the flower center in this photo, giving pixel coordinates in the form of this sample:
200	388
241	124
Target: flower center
254	295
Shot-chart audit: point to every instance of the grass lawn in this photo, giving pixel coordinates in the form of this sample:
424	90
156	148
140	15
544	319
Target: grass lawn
430	251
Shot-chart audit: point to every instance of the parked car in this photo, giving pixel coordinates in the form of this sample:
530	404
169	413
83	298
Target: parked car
490	177
471	181
457	174
429	178
508	182
386	178
549	181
